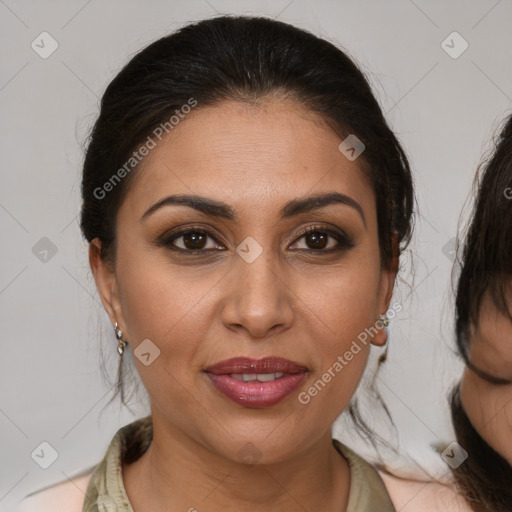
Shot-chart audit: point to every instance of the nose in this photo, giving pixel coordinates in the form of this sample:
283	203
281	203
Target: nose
257	298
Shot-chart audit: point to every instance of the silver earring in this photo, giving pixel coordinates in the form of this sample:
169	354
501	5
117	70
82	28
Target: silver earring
384	319
122	343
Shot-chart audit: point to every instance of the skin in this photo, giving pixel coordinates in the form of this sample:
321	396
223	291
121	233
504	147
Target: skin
489	406
289	302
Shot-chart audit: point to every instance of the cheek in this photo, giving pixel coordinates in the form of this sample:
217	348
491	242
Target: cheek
343	318
161	305
345	299
160	302
341	349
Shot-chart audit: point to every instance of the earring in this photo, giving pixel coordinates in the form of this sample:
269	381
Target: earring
122	343
384	319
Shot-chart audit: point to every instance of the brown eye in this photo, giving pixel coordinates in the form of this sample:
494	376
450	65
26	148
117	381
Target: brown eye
318	240
189	240
194	240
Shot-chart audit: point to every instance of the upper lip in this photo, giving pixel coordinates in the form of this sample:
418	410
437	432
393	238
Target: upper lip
251	366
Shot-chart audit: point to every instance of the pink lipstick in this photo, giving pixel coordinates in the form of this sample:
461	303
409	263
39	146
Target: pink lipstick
256	383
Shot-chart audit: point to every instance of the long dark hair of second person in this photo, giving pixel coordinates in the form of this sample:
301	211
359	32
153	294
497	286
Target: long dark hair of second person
485	478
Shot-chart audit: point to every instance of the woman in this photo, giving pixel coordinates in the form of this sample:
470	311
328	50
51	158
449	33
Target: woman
246	206
482	405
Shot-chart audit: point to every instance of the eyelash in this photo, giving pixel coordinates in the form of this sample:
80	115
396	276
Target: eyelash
344	241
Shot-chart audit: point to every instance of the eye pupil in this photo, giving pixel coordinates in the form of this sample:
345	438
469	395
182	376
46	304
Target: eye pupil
318	239
196	238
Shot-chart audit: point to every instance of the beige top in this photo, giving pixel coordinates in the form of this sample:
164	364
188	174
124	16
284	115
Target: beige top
106	492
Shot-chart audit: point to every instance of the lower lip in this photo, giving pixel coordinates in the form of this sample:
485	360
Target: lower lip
257	394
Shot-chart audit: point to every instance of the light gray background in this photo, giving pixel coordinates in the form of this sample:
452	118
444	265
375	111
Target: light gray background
443	109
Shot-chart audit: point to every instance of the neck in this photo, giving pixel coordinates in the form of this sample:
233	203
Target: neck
179	473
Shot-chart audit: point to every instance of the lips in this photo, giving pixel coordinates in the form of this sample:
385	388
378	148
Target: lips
256	383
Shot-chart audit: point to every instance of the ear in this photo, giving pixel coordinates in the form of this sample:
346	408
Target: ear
106	283
385	293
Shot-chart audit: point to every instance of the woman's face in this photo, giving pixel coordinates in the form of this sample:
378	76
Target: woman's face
254	287
489	406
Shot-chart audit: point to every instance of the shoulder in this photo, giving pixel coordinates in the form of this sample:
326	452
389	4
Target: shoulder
416	496
66	496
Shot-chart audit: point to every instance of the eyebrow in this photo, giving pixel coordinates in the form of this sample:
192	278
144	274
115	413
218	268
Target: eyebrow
222	210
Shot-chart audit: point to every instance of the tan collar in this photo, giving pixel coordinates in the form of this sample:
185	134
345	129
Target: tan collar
106	492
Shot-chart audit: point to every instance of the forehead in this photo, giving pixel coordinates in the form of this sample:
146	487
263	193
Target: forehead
250	156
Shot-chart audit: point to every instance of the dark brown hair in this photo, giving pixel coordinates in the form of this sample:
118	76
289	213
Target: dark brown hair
486	262
485	478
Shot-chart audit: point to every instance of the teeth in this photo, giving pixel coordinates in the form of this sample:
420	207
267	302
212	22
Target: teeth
261	377
267	377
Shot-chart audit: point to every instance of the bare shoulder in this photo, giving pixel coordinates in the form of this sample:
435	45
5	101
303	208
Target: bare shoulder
414	496
67	496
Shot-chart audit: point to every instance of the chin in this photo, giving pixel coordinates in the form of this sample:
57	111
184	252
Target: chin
258	442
